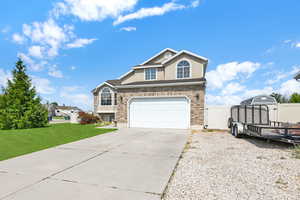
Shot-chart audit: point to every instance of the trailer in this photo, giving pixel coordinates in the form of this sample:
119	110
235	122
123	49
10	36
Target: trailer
254	120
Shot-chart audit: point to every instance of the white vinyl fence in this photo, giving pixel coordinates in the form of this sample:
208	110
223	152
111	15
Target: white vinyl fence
216	117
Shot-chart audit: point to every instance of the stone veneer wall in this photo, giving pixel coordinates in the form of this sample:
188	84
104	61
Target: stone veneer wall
197	105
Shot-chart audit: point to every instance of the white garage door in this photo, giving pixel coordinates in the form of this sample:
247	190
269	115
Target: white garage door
159	113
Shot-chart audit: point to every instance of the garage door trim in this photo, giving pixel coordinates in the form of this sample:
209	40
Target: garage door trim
161	97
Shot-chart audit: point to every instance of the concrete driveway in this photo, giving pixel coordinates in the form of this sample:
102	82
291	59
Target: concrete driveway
127	164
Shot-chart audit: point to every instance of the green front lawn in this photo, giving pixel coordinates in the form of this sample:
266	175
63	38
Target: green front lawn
19	142
58	117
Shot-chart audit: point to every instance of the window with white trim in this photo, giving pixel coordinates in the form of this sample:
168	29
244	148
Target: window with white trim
183	69
106	97
150	74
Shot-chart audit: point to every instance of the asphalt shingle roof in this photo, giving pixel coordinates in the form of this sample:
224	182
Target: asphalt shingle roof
167	81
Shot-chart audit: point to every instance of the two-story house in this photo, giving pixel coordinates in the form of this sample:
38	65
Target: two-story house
165	91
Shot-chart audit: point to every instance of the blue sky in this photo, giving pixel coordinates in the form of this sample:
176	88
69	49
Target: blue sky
70	46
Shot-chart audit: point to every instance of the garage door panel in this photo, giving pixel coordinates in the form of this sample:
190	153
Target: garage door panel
159	113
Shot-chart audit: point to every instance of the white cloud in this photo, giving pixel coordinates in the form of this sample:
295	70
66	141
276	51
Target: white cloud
232	88
42	85
93	10
54	72
230	71
98	10
264	91
195	3
69	89
270	50
147	12
223	99
5	30
72	95
297	45
225	88
80	43
17	38
276	77
33	65
36	51
227	98
128	28
4	77
295	69
289	87
49	35
73	68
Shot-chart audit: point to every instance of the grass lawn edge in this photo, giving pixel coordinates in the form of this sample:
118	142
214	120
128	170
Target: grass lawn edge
15	143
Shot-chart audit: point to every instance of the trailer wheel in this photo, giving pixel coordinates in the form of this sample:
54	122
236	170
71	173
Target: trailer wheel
232	130
235	131
229	122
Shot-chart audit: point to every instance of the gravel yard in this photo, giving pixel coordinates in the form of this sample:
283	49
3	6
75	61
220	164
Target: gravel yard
215	165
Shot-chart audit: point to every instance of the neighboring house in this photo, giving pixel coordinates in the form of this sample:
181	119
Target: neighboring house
51	109
297	77
65	110
165	91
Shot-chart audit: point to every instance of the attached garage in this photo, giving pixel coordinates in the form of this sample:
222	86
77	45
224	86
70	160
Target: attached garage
159	112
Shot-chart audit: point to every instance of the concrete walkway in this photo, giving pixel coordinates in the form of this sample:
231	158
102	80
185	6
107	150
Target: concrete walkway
128	164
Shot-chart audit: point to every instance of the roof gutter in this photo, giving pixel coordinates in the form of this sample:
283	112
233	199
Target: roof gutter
161	85
147	66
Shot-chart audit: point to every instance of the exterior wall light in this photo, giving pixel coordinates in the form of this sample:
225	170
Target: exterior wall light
197	97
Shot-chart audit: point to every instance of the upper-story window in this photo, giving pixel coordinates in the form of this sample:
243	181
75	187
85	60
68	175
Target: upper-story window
183	69
150	74
106	96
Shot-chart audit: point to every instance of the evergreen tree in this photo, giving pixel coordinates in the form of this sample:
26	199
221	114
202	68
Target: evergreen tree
19	105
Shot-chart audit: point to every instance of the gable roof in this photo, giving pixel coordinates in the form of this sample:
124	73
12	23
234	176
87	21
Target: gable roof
114	82
185	52
158	54
144	64
163	83
122	76
111	83
117	82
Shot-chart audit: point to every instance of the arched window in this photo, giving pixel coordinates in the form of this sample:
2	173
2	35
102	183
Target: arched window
183	69
106	96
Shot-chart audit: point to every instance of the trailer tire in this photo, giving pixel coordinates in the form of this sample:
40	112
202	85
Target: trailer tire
229	122
235	131
232	130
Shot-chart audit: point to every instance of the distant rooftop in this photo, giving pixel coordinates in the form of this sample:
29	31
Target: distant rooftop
67	108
